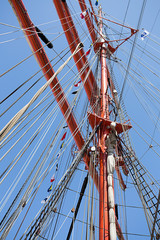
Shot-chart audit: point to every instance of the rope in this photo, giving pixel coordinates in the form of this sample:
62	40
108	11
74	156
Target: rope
31	54
132	50
61	225
14	120
31	78
37	130
61	183
145	107
91	214
51	90
88	207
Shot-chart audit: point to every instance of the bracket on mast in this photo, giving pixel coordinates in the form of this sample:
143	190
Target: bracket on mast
110	48
96	120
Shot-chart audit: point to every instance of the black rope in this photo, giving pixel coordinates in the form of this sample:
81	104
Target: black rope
78	206
32	84
132	51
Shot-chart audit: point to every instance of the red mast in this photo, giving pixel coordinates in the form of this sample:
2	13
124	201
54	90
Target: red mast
108	224
103	193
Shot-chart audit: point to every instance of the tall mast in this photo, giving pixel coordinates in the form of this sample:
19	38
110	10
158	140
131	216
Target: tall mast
108	225
107	161
103	193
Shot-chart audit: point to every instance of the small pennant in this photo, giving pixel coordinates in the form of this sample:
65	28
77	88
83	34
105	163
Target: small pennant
83	14
63	137
144	34
77	84
44	200
96	3
52	178
49	189
88	52
61	145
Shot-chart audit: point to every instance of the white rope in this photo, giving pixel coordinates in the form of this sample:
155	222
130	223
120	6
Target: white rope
32	154
41	24
38	129
30	30
83	67
143	102
14	120
43	100
33	54
143	85
61	225
24	167
79	126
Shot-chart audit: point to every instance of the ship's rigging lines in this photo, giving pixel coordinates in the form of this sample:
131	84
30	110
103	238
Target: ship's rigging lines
86	76
33	33
14	120
62	185
142	181
137	171
55	196
140	176
72	105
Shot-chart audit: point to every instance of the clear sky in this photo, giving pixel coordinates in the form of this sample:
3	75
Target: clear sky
142	107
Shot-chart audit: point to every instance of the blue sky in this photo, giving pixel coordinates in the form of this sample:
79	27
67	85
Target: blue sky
14	48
